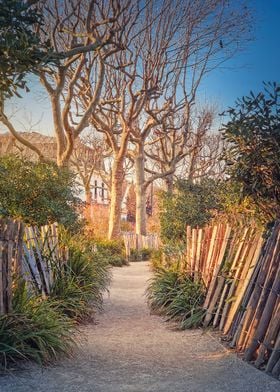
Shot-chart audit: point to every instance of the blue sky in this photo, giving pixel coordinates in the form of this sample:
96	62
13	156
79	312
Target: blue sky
259	61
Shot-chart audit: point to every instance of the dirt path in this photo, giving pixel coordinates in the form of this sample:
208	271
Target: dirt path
131	351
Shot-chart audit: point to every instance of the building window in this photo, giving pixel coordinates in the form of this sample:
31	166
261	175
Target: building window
95	189
102	190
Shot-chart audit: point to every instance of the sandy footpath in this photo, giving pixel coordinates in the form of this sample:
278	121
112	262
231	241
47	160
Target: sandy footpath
129	350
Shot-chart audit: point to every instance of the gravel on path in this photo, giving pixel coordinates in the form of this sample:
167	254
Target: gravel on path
129	350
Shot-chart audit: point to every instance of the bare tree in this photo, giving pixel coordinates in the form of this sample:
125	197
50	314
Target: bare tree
115	118
189	41
125	94
206	161
160	60
191	153
161	70
83	34
129	68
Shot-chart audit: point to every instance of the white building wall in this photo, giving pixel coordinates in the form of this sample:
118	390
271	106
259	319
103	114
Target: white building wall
99	191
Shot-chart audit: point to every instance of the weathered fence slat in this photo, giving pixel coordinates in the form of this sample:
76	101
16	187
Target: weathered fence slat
10	259
241	273
138	242
26	251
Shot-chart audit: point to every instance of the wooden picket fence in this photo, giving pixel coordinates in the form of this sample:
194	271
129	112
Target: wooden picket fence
241	272
138	242
40	253
29	252
11	237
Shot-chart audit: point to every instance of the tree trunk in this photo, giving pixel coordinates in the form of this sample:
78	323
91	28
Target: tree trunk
140	191
58	129
88	194
116	200
169	182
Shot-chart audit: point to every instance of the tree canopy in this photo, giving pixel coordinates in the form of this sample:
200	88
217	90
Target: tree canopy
37	193
190	205
253	154
21	49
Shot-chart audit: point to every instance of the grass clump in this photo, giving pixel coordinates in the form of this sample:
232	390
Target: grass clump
40	327
34	330
79	284
177	296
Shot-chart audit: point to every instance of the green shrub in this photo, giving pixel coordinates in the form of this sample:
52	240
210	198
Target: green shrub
116	260
197	204
44	192
33	331
191	204
253	154
156	259
168	256
42	329
177	296
113	251
141	254
112	246
78	285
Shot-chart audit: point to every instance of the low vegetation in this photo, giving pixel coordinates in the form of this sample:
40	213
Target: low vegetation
78	285
35	330
191	204
42	328
112	251
44	193
177	296
140	254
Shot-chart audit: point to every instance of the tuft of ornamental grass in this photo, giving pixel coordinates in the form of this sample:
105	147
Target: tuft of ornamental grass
79	284
177	296
34	330
41	329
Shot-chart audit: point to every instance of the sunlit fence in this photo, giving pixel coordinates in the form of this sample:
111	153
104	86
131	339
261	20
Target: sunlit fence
29	253
241	272
137	242
11	249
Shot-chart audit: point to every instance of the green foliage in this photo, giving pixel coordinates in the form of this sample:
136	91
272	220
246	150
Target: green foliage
196	205
37	193
156	259
33	331
21	49
169	255
111	246
191	204
79	284
141	254
253	156
111	250
177	296
41	329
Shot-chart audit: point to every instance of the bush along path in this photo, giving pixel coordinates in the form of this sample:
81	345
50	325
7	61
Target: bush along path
130	350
